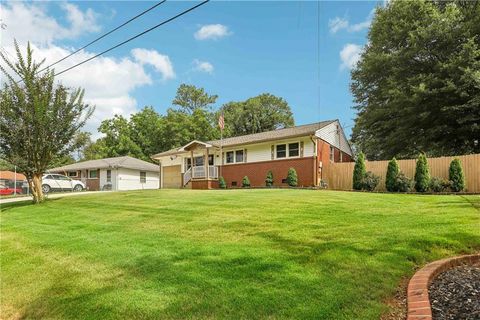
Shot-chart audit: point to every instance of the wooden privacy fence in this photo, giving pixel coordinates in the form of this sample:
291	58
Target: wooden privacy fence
339	175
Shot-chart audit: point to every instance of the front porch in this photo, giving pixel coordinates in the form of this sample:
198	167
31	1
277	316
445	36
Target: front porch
200	171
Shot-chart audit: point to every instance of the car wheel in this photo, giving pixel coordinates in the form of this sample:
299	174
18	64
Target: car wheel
45	188
77	188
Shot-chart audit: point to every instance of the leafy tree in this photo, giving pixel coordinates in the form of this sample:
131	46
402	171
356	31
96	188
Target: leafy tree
146	130
190	98
6	166
403	183
118	139
258	114
292	179
221	183
416	84
245	182
39	119
370	181
359	171
422	174
269	179
456	176
392	172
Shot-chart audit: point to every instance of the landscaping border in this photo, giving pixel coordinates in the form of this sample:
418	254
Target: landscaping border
418	302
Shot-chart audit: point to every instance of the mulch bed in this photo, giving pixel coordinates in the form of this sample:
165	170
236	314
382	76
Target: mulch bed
455	294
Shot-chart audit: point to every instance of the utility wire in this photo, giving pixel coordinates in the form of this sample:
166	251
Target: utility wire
104	35
134	37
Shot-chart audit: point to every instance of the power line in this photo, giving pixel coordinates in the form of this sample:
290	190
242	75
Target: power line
104	35
134	37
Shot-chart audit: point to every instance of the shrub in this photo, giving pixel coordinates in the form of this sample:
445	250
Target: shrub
292	179
438	185
245	182
422	175
403	183
370	181
269	179
455	175
221	183
392	172
359	171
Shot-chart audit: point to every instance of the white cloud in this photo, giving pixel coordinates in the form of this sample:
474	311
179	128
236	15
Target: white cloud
350	55
160	62
108	81
202	66
212	31
30	22
336	24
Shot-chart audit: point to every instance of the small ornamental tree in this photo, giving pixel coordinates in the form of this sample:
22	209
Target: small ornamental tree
359	172
269	179
245	182
292	179
392	172
456	176
39	118
422	174
221	183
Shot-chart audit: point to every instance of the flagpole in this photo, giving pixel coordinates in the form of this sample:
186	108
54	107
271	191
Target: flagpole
221	143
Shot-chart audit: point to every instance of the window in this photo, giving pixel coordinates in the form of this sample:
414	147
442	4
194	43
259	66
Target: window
198	161
293	149
92	174
239	156
281	150
332	154
143	177
49	177
229	157
72	174
189	163
60	177
210	159
109	175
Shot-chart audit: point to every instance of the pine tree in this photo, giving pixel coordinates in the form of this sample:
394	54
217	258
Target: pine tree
392	172
245	182
359	172
221	183
456	176
422	174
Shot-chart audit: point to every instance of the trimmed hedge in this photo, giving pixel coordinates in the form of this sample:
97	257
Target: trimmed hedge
245	182
359	172
269	179
392	173
456	176
292	179
422	174
221	183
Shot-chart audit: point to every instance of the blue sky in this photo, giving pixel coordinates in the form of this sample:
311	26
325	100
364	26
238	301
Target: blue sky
244	49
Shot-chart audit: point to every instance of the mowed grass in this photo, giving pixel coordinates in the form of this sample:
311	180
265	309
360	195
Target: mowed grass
234	254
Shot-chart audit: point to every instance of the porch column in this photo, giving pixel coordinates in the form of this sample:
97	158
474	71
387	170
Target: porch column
206	162
191	162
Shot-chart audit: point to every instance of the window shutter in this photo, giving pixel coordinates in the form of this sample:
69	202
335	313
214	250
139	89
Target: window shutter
301	149
273	152
244	155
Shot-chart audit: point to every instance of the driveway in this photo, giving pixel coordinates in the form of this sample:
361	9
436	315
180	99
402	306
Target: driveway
50	196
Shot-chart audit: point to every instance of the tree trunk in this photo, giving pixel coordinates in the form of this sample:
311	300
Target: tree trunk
37	191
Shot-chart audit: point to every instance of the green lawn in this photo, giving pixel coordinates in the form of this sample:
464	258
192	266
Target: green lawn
235	254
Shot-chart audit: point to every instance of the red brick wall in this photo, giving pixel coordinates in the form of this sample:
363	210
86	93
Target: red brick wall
204	184
257	172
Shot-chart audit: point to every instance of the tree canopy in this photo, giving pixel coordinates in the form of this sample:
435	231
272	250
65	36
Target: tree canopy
39	119
416	86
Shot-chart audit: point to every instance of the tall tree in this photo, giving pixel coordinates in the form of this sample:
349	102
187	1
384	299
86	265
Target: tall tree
416	86
258	114
38	120
190	98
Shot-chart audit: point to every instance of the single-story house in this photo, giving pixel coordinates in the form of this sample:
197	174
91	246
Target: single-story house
120	173
307	148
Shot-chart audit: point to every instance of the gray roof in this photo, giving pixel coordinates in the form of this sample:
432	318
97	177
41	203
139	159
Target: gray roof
117	162
298	131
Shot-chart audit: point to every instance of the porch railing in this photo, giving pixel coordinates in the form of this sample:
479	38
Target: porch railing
200	172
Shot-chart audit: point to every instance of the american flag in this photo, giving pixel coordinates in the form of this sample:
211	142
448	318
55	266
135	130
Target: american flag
221	121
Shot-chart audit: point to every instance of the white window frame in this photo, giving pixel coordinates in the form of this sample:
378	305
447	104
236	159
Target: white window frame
70	176
109	179
144	179
332	153
96	172
287	150
235	156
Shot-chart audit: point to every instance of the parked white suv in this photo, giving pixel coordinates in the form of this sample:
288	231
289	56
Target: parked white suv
60	182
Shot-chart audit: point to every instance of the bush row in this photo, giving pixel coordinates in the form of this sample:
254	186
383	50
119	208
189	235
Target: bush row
396	181
292	180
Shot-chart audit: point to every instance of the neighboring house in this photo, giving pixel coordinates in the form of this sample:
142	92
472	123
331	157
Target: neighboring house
307	148
120	173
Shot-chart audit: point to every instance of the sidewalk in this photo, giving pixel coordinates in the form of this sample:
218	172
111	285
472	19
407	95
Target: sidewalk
50	196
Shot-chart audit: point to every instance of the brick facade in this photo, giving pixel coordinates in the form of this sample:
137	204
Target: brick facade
204	184
257	172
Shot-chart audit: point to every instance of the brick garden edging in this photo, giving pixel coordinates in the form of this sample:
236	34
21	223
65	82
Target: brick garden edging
418	301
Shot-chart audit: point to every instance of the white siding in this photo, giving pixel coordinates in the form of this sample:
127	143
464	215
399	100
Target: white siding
335	137
103	178
129	179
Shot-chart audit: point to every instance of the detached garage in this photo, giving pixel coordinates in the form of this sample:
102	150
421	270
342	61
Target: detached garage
119	173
